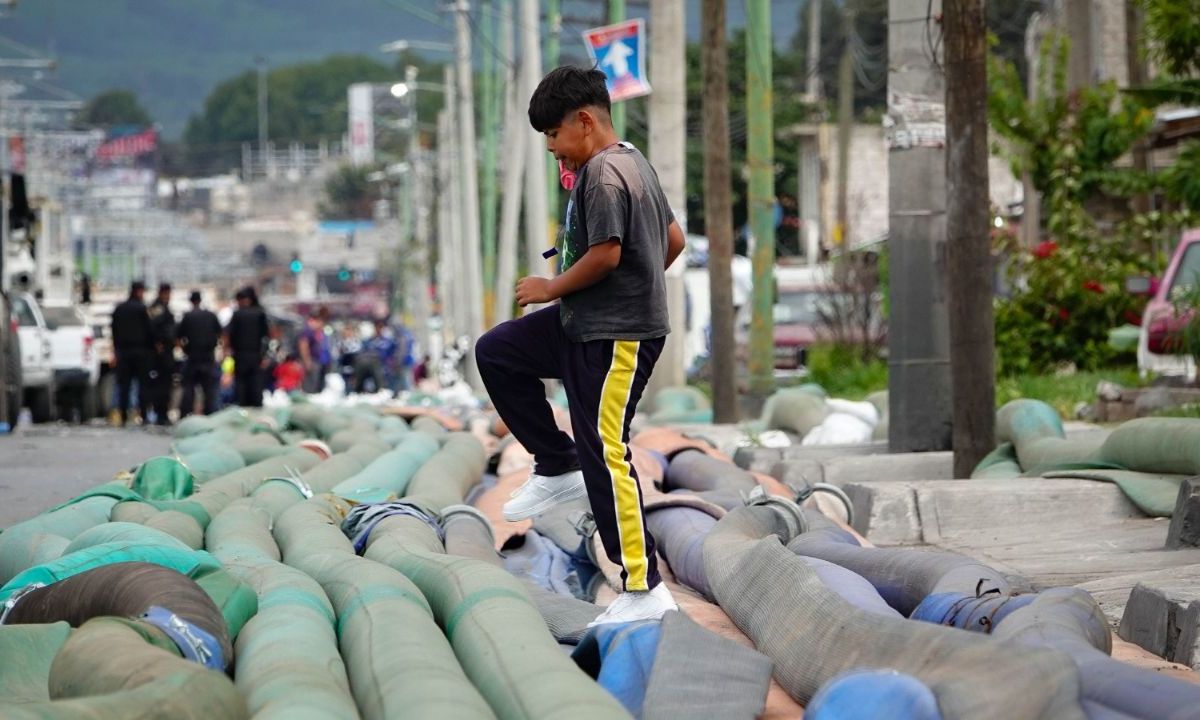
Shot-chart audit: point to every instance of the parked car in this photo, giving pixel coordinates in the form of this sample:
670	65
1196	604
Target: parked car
74	359
1158	350
37	370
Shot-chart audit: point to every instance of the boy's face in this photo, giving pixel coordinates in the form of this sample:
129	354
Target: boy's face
572	141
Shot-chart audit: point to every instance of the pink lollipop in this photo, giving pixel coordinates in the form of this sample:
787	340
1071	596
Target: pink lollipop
565	177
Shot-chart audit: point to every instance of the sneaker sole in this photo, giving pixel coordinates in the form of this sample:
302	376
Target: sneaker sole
561	496
657	618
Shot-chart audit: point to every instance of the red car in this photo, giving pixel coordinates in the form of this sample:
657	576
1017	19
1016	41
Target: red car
1158	352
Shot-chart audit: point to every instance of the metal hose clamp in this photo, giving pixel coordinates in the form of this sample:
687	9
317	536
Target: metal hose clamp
293	479
195	644
12	600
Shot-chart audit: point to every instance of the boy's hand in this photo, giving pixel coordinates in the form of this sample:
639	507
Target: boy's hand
533	290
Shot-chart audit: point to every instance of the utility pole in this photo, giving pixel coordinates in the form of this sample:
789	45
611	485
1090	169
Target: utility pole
263	136
554	21
918	345
845	128
516	134
418	214
491	133
718	212
537	231
1136	68
454	201
812	63
760	155
616	13
473	277
667	134
972	328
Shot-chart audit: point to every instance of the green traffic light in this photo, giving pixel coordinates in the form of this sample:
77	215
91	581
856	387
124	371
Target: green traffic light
297	266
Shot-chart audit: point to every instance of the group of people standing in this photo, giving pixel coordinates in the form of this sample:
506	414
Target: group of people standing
144	341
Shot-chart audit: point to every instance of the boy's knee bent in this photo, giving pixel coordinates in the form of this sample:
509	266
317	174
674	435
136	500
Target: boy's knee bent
487	348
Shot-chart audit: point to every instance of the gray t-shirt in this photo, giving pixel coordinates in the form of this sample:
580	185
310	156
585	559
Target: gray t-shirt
617	195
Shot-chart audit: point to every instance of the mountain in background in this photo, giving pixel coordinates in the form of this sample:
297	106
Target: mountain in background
172	53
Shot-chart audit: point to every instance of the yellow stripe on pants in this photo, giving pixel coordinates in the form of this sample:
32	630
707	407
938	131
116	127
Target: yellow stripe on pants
614	401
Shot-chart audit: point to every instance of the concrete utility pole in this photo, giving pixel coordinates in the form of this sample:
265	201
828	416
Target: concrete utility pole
918	343
845	128
812	86
418	217
760	155
1135	64
467	166
445	243
516	135
668	134
972	329
537	231
263	136
616	13
554	23
718	211
491	135
1081	61
454	201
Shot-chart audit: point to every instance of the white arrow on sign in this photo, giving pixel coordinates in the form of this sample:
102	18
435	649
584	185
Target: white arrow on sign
617	58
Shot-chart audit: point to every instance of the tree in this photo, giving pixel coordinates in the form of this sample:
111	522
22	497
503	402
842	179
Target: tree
113	108
307	103
349	194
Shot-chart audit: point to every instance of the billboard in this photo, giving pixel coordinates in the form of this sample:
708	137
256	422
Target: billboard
361	101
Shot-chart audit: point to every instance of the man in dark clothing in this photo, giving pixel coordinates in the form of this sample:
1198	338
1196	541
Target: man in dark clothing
246	337
162	372
133	342
199	332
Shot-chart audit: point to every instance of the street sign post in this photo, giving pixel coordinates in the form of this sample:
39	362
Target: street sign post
619	51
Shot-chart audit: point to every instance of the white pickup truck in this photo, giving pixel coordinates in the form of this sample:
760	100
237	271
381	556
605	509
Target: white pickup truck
37	370
74	360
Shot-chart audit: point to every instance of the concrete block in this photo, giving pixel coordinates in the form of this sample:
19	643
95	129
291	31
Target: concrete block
757	459
886	513
936	511
826	452
1185	520
796	473
1165	619
899	467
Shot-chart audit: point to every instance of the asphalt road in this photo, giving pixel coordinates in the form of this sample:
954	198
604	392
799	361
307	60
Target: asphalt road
44	465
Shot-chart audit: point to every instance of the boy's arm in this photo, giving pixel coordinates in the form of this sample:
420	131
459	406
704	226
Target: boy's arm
675	242
595	265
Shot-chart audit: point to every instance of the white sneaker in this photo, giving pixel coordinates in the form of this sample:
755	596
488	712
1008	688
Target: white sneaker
631	606
542	492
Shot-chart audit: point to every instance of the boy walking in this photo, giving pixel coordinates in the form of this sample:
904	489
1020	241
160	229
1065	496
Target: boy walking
602	339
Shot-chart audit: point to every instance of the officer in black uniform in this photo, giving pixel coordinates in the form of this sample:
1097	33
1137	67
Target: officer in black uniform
246	337
162	373
133	344
199	332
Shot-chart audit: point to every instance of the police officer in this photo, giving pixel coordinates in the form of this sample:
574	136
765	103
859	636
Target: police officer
162	372
246	337
133	343
199	332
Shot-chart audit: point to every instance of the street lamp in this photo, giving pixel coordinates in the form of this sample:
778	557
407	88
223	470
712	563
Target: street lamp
399	90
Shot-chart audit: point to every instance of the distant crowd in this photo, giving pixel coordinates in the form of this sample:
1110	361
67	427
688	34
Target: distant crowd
236	362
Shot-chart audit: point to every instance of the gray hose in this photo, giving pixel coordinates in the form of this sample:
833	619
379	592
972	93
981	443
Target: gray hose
1069	620
905	577
697	471
812	634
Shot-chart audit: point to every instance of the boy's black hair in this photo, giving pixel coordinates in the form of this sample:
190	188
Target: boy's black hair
564	90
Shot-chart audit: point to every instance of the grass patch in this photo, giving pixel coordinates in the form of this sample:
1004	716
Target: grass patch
1063	392
844	374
